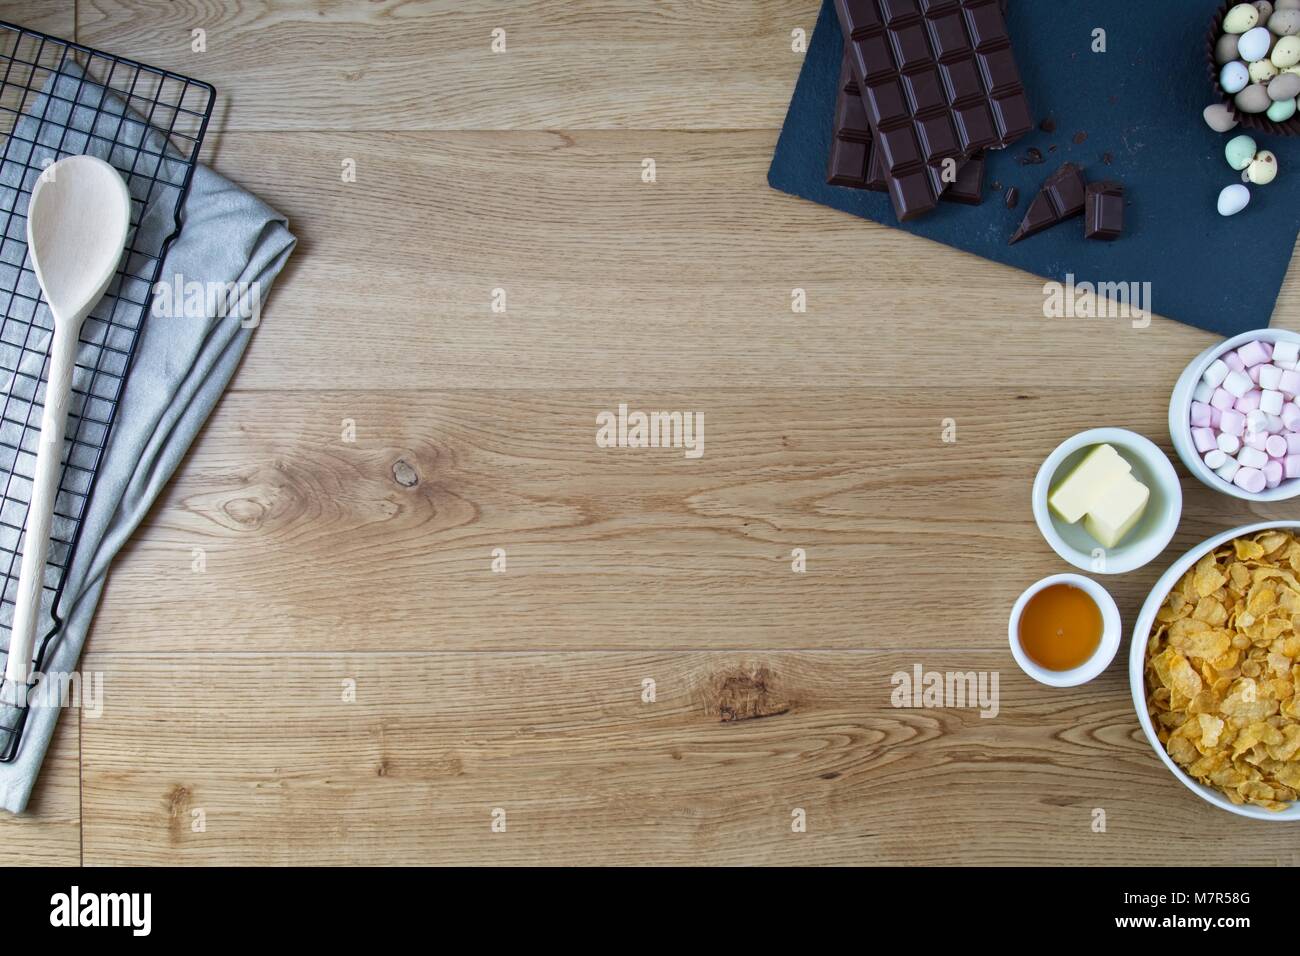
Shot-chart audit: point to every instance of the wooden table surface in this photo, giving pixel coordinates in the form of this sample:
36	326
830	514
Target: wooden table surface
226	734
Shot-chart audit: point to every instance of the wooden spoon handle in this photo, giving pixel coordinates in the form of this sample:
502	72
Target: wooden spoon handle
45	489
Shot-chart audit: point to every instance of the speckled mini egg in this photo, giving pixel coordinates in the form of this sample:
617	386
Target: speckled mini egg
1241	18
1234	77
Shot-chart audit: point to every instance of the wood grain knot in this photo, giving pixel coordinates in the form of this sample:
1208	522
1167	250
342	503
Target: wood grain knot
746	693
405	474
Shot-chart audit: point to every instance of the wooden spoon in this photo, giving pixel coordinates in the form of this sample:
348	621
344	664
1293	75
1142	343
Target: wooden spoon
77	223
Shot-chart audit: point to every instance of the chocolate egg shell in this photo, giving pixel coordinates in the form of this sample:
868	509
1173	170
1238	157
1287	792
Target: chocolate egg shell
1262	169
1219	117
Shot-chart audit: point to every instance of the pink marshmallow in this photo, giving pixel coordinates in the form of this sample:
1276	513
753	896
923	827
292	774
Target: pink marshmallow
1249	479
1268	349
1253	353
1253	372
1204	439
1272	474
1291	466
1200	415
1275	446
1216	416
1250	401
1289	383
1232	423
1292	443
1222	399
1233	361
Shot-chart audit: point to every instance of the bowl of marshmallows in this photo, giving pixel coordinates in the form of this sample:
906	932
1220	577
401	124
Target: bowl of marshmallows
1234	417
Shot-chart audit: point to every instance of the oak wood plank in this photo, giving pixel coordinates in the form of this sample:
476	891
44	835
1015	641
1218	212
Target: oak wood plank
266	755
306	541
429	64
614	283
56	17
48	832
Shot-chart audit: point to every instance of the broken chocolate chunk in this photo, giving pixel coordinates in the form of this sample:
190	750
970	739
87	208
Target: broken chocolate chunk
1105	211
1061	198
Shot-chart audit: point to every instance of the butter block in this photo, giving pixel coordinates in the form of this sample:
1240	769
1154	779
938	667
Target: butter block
1086	482
1115	513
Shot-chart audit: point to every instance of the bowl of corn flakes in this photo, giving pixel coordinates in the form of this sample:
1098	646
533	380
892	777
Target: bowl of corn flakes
1215	670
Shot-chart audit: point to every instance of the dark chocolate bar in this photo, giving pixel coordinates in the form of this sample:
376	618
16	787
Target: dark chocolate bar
1061	198
855	162
939	81
1104	216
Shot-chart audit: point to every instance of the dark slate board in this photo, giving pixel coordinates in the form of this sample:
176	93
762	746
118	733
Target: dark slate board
1140	102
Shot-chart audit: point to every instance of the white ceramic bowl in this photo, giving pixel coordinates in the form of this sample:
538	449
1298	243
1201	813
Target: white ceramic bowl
1180	410
1154	529
1101	657
1137	669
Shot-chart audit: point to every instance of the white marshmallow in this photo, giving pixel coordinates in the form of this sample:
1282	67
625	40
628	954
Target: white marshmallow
1228	470
1228	444
1256	421
1271	402
1216	373
1269	377
1286	351
1203	392
1216	459
1237	384
1252	458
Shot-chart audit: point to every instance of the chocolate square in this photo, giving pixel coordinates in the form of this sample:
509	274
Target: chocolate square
900	147
1104	215
896	11
999	70
962	80
872	56
987	28
937	138
859	17
885	103
948	35
924	91
911	45
975	126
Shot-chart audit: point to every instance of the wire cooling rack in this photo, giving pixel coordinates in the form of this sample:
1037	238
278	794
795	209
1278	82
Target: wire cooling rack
59	98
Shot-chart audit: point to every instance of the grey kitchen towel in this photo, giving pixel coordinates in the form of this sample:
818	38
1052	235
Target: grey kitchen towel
232	245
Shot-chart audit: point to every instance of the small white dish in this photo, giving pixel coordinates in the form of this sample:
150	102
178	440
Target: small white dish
1180	411
1154	530
1106	648
1137	669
